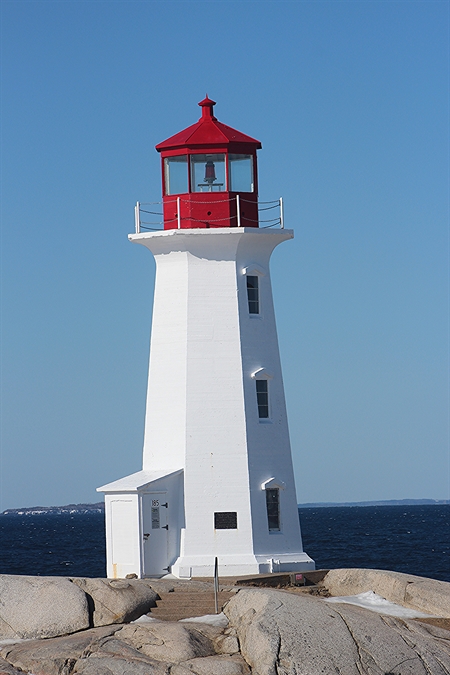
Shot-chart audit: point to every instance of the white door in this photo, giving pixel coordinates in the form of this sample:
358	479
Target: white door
155	534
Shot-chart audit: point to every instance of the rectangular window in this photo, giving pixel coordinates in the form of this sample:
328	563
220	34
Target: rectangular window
176	175
262	398
253	294
225	520
273	509
241	173
208	173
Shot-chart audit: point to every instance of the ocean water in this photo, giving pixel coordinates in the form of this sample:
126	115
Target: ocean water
412	539
53	545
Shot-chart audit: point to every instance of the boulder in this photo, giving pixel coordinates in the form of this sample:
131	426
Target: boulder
424	595
113	656
212	665
117	600
285	634
166	641
226	644
55	656
7	669
114	665
40	607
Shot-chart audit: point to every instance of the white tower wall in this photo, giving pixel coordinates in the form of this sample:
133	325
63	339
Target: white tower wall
202	415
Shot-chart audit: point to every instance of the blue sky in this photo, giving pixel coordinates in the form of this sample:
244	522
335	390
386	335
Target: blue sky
351	103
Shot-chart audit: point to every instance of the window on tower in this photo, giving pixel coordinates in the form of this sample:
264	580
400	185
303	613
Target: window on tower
241	173
176	175
262	398
253	294
273	509
208	173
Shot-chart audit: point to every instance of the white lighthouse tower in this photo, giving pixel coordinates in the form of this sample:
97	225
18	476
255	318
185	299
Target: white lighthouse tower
217	477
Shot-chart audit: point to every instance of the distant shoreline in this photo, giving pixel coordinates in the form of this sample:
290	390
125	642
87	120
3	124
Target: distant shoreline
386	502
99	507
71	509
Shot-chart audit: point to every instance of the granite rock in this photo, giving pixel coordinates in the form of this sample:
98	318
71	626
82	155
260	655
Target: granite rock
7	669
226	644
286	634
166	641
117	600
212	665
114	665
56	656
41	607
113	656
424	595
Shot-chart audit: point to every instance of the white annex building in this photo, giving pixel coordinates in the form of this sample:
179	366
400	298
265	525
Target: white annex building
217	477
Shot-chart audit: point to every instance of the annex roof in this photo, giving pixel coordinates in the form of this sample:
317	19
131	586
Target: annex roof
207	131
135	481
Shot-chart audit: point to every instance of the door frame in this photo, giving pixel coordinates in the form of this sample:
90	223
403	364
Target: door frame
142	498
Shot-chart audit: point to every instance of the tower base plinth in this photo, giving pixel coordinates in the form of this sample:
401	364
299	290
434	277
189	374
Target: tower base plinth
187	567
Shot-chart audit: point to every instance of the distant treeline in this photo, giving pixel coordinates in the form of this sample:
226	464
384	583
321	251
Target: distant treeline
99	507
386	502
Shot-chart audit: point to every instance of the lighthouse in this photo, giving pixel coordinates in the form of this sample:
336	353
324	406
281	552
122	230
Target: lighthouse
217	479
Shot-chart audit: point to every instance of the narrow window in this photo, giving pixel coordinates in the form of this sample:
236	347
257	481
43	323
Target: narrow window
262	398
273	509
253	294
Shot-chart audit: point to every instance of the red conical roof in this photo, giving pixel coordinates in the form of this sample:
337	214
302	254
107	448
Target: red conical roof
207	131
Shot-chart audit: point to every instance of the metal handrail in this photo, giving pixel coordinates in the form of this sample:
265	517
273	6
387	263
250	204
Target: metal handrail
216	584
142	225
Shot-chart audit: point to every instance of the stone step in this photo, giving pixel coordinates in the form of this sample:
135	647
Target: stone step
182	605
186	598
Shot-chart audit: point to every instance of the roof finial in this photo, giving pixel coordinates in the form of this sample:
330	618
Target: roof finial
207	106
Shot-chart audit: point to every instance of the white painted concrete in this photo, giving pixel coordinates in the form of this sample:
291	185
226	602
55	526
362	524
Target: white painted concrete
202	414
206	450
136	541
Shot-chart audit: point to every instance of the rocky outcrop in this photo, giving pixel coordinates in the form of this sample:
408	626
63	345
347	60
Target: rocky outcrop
57	656
213	665
46	607
269	632
283	633
117	600
7	669
167	641
136	649
41	607
424	595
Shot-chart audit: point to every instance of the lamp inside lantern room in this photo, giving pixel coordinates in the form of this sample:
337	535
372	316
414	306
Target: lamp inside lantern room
210	172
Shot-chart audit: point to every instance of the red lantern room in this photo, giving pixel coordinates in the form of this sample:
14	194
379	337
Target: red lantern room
209	175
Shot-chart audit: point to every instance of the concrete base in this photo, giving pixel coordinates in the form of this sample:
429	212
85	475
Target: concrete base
187	567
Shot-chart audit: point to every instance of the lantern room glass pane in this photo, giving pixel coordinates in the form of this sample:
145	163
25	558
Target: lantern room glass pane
176	175
208	173
241	173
